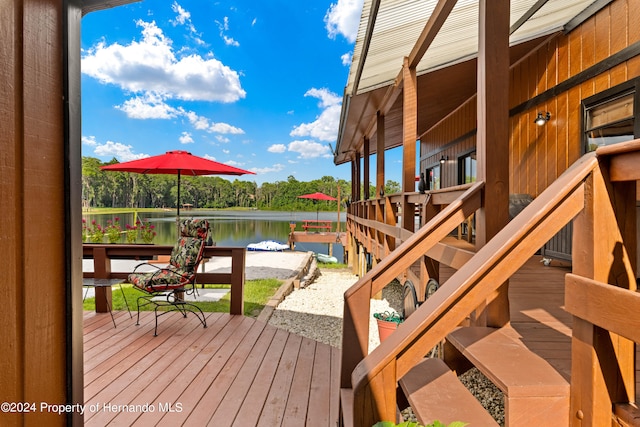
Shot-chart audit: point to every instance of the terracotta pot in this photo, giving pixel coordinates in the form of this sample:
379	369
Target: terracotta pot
386	328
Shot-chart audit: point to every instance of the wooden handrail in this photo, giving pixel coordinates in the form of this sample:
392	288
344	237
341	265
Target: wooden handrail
375	377
102	254
603	305
357	298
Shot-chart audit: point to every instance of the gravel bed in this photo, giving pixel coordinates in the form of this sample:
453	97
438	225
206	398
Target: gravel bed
316	312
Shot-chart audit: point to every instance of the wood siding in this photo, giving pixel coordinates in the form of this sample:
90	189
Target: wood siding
32	230
538	155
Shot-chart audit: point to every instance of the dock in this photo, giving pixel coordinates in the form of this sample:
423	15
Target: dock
314	231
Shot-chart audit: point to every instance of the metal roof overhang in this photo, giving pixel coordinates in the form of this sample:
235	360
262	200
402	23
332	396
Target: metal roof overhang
389	29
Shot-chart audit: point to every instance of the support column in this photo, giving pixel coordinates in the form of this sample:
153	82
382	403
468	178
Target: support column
604	242
366	157
409	137
41	336
380	143
358	177
493	137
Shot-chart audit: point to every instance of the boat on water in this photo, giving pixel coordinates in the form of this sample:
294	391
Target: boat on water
267	245
326	259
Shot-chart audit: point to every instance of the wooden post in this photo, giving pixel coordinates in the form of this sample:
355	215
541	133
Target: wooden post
237	281
604	249
380	141
493	137
358	177
41	321
409	137
366	182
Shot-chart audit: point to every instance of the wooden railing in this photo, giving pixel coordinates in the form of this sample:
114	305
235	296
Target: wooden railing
602	293
373	378
376	221
102	254
357	298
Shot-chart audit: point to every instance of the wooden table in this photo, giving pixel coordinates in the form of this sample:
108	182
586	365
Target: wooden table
102	289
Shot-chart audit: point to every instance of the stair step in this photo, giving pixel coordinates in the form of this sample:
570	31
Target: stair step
534	391
435	393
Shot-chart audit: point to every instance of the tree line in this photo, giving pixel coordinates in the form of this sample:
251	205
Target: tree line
131	190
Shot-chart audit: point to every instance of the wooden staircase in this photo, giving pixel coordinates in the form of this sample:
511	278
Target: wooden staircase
374	386
534	392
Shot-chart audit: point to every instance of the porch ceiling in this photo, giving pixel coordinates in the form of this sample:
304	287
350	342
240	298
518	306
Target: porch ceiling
446	73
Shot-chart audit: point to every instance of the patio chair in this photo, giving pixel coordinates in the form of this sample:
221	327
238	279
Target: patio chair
166	287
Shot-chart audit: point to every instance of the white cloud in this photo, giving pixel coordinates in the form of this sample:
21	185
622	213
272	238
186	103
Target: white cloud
346	58
234	164
222	139
186	138
150	106
224	128
226	151
118	150
224	27
89	140
277	148
202	123
325	127
183	16
343	18
150	65
309	149
272	169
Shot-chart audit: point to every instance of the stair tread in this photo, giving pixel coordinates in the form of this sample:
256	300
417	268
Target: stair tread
435	393
508	363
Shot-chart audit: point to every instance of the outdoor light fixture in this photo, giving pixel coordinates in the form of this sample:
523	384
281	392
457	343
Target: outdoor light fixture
443	159
542	118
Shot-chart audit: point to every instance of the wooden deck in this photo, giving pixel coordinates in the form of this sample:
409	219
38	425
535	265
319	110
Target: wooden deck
239	371
236	372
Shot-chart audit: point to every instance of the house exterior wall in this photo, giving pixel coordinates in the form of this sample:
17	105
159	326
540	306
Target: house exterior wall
33	242
538	155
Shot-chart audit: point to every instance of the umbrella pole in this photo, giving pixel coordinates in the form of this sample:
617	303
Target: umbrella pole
178	193
178	216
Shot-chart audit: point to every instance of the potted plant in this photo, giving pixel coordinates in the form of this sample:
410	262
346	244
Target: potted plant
95	232
131	234
112	230
147	232
388	322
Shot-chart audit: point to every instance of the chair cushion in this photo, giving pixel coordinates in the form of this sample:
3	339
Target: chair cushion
185	253
198	228
159	281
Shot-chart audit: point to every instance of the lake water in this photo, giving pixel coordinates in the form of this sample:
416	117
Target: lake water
232	228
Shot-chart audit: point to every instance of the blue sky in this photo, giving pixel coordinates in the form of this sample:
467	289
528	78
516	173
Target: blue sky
257	85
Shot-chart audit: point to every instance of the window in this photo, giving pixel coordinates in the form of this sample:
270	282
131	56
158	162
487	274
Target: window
432	176
609	117
467	168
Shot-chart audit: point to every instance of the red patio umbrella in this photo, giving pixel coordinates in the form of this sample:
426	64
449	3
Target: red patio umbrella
315	197
176	162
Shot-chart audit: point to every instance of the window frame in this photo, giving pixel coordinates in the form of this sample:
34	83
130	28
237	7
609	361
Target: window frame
623	89
461	169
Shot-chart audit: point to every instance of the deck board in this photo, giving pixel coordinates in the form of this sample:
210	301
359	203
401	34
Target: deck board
237	371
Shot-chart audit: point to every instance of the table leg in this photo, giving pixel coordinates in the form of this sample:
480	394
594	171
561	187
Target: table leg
103	299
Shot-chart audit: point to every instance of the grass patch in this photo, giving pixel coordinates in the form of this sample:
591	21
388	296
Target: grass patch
332	266
256	295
